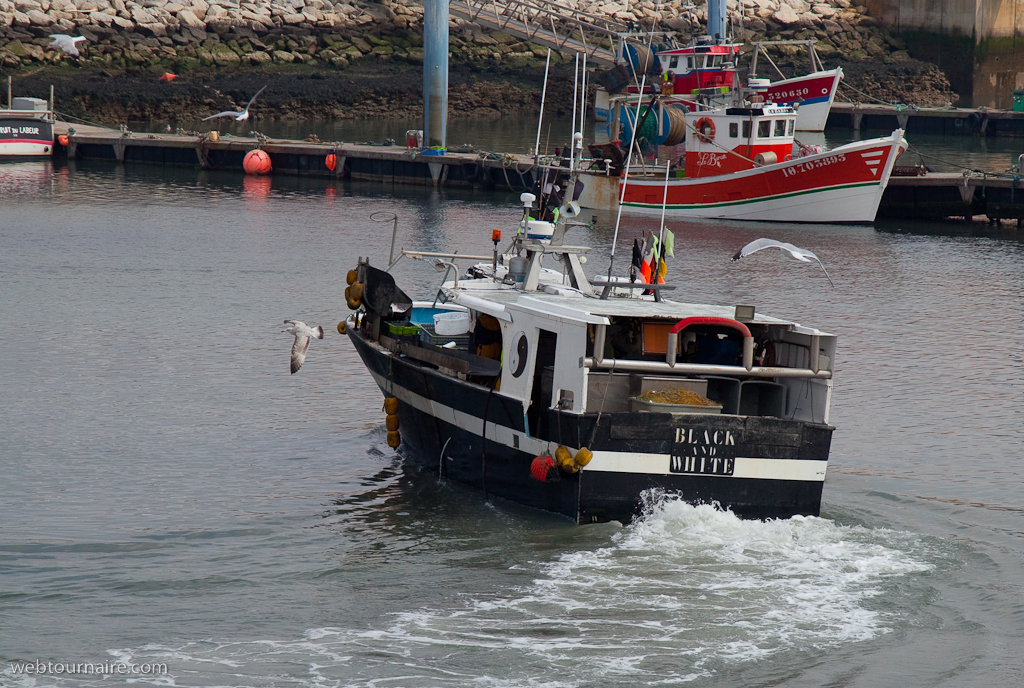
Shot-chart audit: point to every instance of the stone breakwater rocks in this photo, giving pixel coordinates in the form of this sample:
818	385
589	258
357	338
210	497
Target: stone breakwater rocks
223	36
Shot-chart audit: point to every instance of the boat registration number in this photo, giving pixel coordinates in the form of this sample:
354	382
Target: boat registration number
813	164
703	452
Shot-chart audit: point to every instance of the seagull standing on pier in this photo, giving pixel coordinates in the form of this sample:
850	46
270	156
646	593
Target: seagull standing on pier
303	333
66	43
238	116
795	252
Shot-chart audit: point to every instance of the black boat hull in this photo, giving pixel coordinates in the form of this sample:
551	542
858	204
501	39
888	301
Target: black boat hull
758	467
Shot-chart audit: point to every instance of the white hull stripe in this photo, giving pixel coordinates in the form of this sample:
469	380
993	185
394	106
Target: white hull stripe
745	467
603	461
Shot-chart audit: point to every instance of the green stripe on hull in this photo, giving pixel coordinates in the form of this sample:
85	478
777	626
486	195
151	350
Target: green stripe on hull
751	200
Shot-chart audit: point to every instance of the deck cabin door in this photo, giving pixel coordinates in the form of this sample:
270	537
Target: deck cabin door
543	374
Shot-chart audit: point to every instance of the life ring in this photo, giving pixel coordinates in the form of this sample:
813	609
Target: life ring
705	130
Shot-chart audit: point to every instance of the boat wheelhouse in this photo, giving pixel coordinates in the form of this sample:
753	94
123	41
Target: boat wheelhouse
702	64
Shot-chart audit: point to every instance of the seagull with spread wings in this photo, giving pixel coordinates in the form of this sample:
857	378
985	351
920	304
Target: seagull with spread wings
303	333
66	43
795	252
235	114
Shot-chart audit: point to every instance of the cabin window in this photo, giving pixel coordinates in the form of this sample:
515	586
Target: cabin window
746	129
673	63
689	63
780	127
792	125
764	128
734	130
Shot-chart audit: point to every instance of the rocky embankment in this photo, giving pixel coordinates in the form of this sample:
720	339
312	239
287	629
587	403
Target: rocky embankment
353	59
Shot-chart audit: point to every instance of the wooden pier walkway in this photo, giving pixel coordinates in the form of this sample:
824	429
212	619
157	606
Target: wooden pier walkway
925	196
926	120
392	164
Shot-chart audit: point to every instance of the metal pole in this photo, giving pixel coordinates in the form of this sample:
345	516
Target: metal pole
435	72
540	119
583	95
572	131
632	143
10	103
625	179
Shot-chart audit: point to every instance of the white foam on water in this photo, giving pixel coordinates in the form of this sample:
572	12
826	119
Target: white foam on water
681	595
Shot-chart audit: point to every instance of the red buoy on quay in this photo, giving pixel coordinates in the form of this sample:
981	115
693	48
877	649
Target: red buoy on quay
256	162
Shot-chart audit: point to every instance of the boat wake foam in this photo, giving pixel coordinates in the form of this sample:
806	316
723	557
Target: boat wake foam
684	593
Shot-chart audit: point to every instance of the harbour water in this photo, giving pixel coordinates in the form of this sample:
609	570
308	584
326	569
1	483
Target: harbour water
172	495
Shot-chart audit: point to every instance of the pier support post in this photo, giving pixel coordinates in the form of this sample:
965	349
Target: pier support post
435	71
717	22
856	118
438	172
118	151
201	155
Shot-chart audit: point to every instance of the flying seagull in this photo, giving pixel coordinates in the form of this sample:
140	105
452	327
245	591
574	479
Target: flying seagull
792	251
303	333
66	43
238	116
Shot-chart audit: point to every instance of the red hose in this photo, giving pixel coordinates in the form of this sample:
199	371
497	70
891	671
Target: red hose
707	320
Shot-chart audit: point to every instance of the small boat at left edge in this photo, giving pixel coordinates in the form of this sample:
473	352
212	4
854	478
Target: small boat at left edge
26	129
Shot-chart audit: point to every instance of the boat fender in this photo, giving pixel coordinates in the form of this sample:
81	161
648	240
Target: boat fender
583	457
564	459
543	469
391	423
394	439
256	162
390	405
331	161
351	277
63	140
342	328
354	295
705	130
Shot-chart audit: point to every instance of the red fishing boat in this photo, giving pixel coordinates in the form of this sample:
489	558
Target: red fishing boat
741	163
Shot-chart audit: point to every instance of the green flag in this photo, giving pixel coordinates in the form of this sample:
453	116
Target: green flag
670	243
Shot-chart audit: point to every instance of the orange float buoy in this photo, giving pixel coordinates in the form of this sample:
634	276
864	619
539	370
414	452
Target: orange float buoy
331	161
63	140
256	162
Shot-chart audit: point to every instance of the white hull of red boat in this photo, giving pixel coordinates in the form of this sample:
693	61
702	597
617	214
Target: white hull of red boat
813	92
844	185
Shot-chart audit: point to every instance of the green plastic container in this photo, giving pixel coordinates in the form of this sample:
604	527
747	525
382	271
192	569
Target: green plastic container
403	329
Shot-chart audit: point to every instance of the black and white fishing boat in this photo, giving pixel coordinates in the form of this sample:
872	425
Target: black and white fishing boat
576	396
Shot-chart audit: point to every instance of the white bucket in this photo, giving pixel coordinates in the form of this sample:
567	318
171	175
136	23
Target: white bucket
452	323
